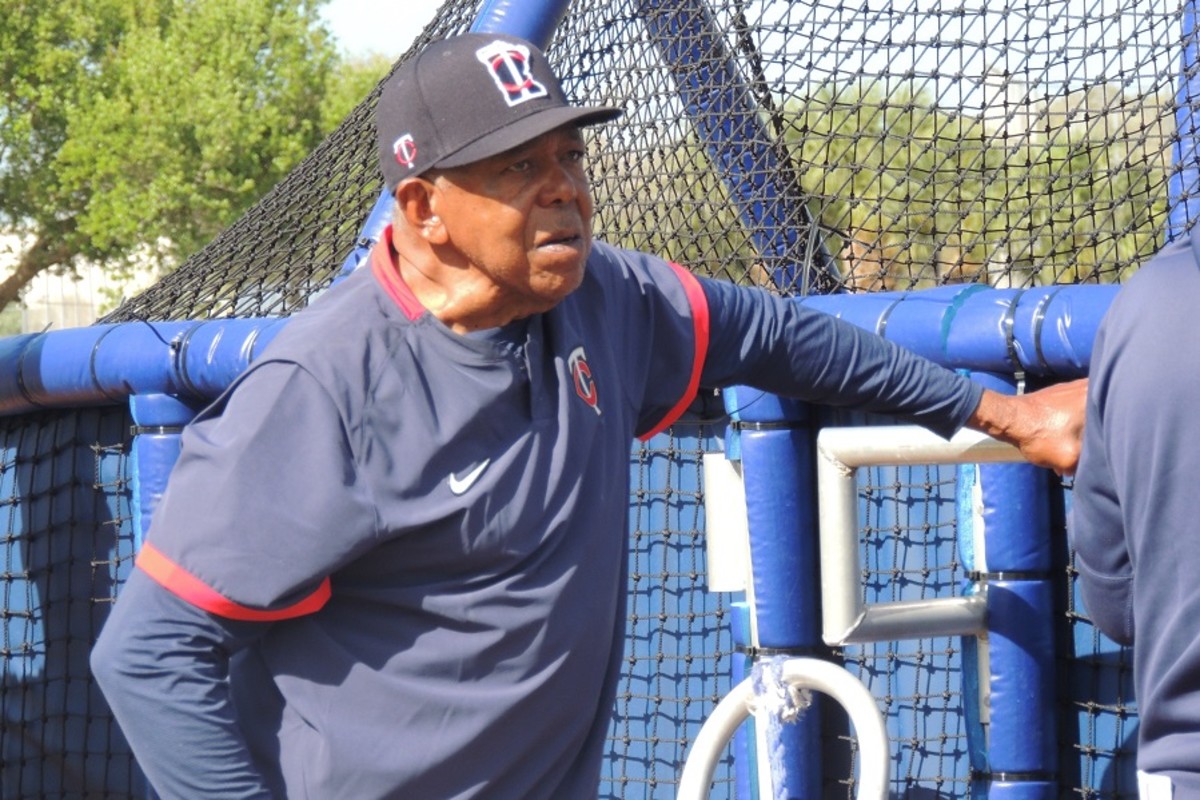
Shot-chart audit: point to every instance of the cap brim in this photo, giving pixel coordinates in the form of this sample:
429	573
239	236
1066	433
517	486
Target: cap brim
526	129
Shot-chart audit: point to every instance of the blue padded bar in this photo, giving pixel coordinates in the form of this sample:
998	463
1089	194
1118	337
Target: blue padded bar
1021	656
777	468
533	20
1046	331
778	473
158	418
725	116
1183	183
1016	508
106	364
1015	514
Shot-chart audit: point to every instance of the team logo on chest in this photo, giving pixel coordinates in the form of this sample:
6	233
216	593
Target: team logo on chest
512	71
581	375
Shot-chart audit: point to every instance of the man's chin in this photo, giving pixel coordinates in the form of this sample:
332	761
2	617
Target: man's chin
554	287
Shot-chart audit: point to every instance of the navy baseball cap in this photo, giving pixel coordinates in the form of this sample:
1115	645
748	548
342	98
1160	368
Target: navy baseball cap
469	97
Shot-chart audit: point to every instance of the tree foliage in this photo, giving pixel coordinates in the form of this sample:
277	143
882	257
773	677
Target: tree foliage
1076	192
143	127
910	194
353	80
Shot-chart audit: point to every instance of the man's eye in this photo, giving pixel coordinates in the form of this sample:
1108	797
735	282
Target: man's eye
523	165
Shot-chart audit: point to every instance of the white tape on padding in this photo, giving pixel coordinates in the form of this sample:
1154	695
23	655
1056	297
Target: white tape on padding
726	531
1154	787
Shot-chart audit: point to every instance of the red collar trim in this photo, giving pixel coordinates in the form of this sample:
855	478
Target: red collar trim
383	266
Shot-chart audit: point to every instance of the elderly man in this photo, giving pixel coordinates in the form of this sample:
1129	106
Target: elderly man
391	558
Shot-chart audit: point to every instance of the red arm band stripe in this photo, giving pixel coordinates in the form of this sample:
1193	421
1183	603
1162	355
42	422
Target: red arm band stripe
700	323
191	589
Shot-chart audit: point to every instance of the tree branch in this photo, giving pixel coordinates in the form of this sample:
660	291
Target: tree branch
40	256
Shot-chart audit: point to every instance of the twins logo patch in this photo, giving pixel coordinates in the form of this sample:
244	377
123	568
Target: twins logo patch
511	69
581	374
405	150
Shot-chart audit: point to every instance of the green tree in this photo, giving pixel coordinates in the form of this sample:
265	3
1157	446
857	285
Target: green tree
140	128
924	195
353	80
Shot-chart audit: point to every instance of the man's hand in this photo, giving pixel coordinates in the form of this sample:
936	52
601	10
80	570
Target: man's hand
1046	425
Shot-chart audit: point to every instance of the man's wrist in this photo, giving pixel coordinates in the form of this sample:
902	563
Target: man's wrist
993	416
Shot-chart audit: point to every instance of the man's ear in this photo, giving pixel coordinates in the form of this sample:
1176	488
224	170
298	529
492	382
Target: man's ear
415	201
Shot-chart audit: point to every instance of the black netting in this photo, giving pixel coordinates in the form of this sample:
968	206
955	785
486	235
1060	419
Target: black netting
909	547
1013	143
679	644
67	546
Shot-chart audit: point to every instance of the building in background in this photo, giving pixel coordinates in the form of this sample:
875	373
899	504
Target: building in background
71	299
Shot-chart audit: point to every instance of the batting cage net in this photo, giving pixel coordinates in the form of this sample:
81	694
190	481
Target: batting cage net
807	147
908	144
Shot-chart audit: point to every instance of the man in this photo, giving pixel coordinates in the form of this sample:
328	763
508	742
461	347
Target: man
391	559
1135	530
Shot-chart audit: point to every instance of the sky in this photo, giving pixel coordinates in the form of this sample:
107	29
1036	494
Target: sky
386	27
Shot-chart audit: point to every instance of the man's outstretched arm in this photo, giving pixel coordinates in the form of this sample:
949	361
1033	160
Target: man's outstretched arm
781	346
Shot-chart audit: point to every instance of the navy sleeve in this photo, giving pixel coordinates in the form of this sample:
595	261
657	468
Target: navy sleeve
1098	537
265	501
658	327
781	346
1096	525
162	665
1133	521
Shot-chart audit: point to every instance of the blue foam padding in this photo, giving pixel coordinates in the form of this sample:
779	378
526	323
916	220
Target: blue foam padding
778	474
1021	657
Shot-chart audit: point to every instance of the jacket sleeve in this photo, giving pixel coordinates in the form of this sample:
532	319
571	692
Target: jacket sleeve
162	665
781	346
1096	526
265	502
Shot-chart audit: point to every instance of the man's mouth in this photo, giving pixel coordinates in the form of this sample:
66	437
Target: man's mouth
561	239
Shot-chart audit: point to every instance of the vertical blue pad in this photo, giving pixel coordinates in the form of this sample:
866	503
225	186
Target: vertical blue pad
781	511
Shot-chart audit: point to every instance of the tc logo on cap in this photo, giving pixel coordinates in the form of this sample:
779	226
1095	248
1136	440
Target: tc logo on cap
512	70
405	150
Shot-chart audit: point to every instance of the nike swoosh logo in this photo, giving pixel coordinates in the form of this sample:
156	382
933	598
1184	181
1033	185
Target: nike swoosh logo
459	485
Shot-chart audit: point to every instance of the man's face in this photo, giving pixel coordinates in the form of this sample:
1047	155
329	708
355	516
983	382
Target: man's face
523	219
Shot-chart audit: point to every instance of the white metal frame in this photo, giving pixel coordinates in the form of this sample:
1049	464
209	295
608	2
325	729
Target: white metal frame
846	618
801	673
